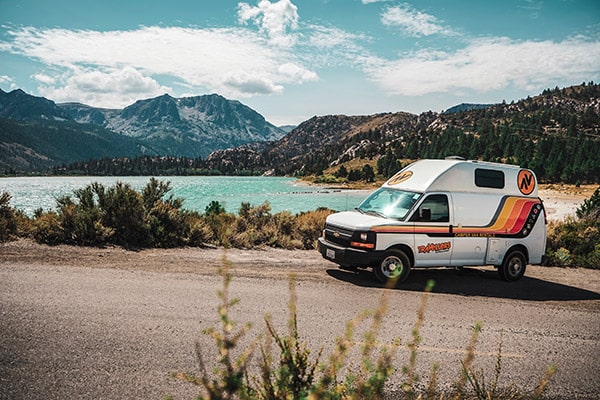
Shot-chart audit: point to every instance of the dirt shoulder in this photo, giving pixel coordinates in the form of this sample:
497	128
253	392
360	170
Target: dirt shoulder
268	263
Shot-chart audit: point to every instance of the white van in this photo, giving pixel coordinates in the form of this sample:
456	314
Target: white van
437	213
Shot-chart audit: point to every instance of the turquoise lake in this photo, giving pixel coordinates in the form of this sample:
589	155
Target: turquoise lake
31	193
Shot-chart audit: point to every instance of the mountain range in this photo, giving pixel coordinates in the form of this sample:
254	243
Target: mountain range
556	133
36	133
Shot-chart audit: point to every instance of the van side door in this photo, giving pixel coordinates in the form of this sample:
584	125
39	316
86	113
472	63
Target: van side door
472	212
433	235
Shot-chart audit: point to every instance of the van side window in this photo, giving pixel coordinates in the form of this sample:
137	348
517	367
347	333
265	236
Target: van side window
433	209
489	178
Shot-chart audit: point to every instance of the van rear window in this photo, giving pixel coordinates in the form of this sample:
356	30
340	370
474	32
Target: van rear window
489	178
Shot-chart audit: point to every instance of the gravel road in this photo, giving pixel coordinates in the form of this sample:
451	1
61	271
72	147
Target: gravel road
88	323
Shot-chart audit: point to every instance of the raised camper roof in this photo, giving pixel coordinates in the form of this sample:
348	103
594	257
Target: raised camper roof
456	175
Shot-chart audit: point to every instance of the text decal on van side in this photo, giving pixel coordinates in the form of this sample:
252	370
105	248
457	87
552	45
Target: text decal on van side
400	177
526	181
435	247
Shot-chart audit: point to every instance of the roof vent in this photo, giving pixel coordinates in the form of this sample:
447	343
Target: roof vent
455	158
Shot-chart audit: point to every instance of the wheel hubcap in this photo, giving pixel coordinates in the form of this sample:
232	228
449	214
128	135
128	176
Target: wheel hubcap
514	267
392	267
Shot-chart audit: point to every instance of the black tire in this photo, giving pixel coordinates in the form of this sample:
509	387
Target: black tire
513	266
395	265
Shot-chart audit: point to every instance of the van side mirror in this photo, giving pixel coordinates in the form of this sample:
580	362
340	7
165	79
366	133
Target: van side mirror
426	214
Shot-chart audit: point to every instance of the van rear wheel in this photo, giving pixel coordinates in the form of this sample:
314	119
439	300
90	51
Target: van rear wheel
395	266
513	266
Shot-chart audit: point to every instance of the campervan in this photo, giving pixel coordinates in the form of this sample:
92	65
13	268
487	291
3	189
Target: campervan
442	213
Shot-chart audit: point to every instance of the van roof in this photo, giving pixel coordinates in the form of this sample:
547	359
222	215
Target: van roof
455	175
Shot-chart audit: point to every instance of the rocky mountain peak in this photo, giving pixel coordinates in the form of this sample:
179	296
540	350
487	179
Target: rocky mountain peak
155	111
21	106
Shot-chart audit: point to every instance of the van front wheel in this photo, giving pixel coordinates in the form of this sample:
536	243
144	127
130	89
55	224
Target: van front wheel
395	265
513	266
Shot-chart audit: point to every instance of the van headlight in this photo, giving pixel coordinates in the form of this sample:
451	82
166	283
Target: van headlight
363	240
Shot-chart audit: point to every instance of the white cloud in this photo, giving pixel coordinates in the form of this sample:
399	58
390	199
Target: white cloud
233	62
275	19
332	46
7	80
413	22
109	89
44	79
489	64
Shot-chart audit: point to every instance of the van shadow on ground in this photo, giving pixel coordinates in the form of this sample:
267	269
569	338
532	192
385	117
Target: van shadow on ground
473	282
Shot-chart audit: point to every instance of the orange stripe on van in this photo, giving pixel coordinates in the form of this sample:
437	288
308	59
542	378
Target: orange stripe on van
509	220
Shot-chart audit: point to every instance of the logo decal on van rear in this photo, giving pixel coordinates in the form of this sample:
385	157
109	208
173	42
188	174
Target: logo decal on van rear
435	247
526	181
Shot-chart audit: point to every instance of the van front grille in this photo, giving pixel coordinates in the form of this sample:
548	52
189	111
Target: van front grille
338	235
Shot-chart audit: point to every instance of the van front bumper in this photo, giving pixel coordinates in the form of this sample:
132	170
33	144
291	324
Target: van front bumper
347	256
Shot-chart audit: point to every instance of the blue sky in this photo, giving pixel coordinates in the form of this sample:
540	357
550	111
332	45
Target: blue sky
293	59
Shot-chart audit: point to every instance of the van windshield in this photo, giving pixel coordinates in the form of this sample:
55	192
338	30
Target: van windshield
389	203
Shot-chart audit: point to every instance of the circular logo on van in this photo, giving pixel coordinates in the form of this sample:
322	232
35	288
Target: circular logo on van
526	181
400	177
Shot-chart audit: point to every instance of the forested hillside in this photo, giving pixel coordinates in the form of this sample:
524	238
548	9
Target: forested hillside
557	134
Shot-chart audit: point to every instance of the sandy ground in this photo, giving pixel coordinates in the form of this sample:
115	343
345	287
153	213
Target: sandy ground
562	201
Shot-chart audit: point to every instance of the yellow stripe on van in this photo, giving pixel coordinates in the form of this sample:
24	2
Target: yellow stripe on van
509	220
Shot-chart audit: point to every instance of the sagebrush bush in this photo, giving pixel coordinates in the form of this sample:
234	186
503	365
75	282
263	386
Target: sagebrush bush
47	229
310	226
576	241
120	215
8	219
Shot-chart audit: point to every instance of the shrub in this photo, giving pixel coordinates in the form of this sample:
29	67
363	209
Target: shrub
253	226
295	375
121	215
561	257
310	226
167	225
214	208
82	222
123	210
8	218
331	179
221	227
590	208
287	233
575	242
47	228
200	232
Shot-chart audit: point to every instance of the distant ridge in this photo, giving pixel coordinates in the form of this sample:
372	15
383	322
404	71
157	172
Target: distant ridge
466	107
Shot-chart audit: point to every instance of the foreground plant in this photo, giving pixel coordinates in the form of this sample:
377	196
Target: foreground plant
229	379
290	372
294	375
